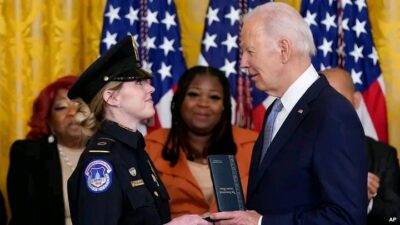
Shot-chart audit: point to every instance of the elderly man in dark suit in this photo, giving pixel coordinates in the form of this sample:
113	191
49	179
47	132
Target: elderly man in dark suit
309	163
383	165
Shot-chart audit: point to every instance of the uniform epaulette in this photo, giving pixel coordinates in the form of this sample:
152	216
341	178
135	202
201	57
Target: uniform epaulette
101	145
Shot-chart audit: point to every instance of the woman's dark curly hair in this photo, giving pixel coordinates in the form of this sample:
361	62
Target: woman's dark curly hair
221	141
42	107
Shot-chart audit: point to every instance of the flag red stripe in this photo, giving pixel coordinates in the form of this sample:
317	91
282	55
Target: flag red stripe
376	105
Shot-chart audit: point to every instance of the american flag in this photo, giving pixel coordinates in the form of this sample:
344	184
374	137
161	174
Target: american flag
154	25
342	35
220	49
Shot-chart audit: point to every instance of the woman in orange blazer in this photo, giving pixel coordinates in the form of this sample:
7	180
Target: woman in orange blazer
201	126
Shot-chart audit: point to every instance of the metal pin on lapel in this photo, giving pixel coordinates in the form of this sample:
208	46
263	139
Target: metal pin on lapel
300	111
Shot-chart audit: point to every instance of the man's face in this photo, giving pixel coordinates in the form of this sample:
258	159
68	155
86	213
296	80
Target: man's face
261	57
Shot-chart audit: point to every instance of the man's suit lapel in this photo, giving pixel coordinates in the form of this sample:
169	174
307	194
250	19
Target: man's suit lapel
298	113
287	129
255	158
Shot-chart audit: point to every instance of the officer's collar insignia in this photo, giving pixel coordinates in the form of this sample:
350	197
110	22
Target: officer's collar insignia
98	175
137	183
132	171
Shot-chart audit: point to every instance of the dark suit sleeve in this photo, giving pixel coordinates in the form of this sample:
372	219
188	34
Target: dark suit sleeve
3	213
22	191
339	168
386	205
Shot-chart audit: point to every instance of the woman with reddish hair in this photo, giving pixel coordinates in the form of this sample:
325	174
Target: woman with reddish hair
41	164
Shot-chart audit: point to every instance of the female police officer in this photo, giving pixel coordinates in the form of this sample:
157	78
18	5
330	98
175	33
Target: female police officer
115	182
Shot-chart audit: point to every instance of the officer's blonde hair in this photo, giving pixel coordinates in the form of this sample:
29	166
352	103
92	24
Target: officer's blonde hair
90	116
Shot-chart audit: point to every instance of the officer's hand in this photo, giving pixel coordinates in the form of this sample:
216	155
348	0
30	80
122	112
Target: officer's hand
236	218
188	220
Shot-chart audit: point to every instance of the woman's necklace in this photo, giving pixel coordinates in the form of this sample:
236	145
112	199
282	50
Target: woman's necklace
64	156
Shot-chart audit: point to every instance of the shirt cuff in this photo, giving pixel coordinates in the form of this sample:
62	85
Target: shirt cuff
371	202
259	221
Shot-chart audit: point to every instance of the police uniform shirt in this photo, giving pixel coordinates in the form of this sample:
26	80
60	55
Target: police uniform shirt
115	182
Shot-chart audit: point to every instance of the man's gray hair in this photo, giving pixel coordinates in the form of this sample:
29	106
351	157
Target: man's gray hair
282	21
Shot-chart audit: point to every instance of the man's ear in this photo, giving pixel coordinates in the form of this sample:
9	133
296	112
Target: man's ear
357	96
111	98
285	50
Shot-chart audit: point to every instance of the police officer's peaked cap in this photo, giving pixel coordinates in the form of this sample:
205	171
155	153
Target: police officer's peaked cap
119	63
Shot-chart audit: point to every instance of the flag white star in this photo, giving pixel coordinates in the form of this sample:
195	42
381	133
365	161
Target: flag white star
150	43
165	71
151	17
110	39
373	56
209	41
202	60
346	2
360	4
229	67
147	66
345	24
323	67
359	27
112	14
326	46
310	18
357	52
132	16
212	15
329	21
169	20
233	15
356	76
330	2
230	42
167	46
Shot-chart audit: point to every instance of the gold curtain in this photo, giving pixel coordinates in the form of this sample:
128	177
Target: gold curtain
39	42
43	40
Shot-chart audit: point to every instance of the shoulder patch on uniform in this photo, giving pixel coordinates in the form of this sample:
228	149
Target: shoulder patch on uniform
98	175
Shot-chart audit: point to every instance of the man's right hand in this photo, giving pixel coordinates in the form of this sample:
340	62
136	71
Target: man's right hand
373	185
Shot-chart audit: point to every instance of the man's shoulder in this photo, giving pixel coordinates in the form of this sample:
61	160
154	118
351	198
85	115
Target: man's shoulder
379	147
320	95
